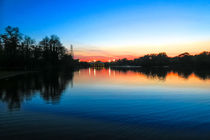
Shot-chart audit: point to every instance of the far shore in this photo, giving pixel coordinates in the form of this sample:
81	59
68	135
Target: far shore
127	66
9	74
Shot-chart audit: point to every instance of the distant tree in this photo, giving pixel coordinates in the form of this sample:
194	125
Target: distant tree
23	52
57	47
45	47
184	54
184	59
11	40
1	51
54	42
45	42
1	45
27	51
53	49
203	59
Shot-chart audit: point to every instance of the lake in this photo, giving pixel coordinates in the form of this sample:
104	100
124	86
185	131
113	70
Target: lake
109	104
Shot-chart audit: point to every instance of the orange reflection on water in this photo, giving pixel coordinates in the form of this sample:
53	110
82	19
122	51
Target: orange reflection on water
108	76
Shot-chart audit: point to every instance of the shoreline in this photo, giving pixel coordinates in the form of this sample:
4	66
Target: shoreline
6	74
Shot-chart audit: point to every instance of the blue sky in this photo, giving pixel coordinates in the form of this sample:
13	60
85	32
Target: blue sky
146	26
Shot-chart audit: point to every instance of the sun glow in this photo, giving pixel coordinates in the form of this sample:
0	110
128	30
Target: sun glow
112	54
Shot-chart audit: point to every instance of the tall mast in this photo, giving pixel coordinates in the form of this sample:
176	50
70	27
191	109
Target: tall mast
72	51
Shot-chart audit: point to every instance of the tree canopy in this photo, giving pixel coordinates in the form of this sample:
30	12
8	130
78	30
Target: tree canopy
21	51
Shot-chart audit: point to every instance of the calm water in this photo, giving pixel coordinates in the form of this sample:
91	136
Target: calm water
106	104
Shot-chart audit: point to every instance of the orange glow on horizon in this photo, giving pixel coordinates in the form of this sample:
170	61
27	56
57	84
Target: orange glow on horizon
103	58
113	59
106	54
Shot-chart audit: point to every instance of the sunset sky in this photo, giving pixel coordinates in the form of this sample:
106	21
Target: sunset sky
113	29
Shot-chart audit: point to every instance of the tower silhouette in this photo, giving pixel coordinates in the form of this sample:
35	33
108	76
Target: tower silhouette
72	51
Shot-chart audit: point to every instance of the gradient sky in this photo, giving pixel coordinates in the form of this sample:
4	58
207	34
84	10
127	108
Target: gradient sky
108	29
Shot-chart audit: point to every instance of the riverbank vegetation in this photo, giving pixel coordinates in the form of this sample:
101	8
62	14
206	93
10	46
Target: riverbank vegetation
18	51
201	60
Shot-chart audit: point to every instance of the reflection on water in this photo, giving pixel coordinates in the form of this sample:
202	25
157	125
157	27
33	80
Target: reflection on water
50	85
162	73
112	103
136	77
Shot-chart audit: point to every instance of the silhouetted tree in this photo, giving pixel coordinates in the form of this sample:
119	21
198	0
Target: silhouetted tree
19	52
11	41
202	59
162	60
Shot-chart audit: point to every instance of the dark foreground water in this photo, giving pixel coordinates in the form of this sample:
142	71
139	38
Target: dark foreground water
106	104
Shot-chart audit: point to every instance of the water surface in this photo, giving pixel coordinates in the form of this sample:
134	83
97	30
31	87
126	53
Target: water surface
106	104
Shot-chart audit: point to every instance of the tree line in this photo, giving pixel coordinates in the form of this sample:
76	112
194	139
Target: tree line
18	51
162	59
